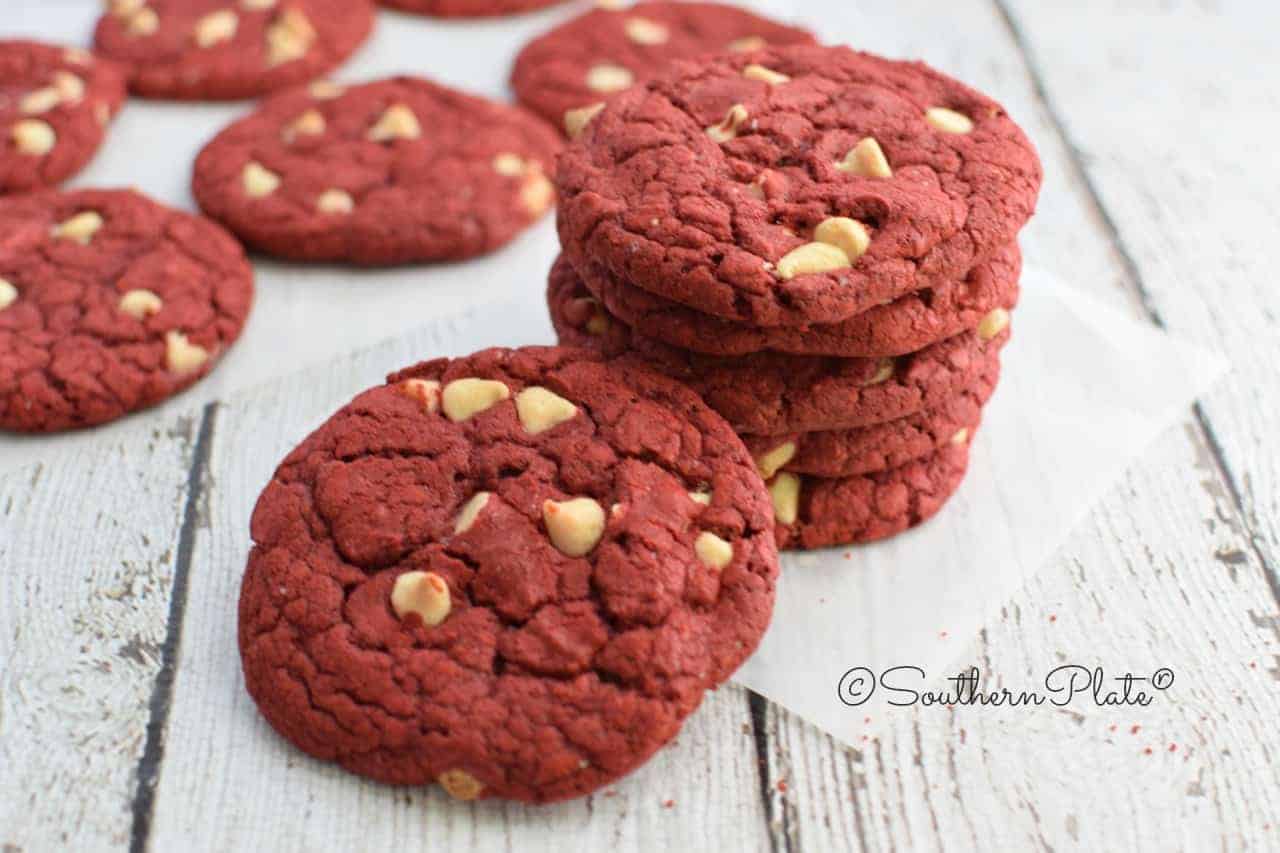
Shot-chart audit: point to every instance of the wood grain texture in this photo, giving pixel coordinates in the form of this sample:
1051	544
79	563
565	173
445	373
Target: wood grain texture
1159	177
87	554
1168	571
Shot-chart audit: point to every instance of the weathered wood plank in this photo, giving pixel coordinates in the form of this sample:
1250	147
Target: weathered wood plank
223	761
1171	541
88	550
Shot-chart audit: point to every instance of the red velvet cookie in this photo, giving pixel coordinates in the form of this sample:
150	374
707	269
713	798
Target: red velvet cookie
906	324
794	186
109	303
208	50
389	172
55	104
468	8
577	65
849	453
774	393
514	573
812	512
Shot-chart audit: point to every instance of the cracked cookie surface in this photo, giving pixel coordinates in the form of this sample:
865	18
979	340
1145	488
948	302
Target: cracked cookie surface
393	171
866	450
814	512
225	50
587	59
906	324
55	106
774	393
109	303
514	573
794	186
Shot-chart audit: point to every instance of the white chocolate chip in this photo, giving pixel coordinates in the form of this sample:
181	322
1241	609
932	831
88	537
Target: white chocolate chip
812	258
701	497
335	201
289	37
460	785
747	44
325	90
79	228
144	22
948	121
310	123
577	119
8	294
257	5
34	137
181	355
102	113
785	492
993	324
125	8
77	56
508	164
607	77
423	593
463	398
69	86
216	27
883	372
140	304
728	127
961	436
39	101
258	180
471	511
537	194
396	122
712	550
598	322
645	31
539	409
574	526
425	391
764	75
849	235
769	463
866	159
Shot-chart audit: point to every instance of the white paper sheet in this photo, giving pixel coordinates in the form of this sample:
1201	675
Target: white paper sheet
1083	392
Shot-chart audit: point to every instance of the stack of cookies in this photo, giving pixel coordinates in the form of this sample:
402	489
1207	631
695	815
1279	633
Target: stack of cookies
822	243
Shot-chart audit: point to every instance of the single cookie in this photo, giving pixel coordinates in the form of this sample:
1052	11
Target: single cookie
795	186
812	512
774	393
906	324
468	8
573	68
55	104
849	453
389	172
109	303
208	50
514	573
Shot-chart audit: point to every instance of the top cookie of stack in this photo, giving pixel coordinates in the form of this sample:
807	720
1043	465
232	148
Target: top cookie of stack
771	210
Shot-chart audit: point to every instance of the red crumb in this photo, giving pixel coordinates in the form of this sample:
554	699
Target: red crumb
866	720
669	804
782	785
1114	727
1173	747
1135	730
1053	617
942	634
1147	751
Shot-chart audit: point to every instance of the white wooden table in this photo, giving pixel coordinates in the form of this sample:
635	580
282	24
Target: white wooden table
123	723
